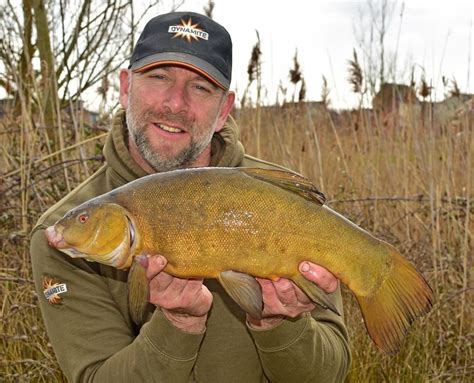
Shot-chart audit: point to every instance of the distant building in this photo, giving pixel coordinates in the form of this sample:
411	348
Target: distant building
391	96
87	117
452	108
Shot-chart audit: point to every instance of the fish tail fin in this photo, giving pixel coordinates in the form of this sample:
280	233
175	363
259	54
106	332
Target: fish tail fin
401	298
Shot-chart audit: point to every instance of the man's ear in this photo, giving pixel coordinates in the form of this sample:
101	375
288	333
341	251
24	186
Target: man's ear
124	87
225	110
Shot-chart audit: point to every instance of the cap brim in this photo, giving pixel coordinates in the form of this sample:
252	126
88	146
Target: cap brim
182	59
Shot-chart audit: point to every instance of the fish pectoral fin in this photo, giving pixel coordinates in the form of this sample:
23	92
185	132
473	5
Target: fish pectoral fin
289	181
138	292
243	289
315	293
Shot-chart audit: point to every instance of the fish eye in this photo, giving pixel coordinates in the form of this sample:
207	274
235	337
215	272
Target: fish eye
82	218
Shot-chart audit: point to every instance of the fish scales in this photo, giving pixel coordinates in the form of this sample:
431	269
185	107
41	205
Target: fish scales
239	231
263	223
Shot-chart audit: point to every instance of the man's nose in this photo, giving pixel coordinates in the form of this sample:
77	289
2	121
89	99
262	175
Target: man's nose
176	99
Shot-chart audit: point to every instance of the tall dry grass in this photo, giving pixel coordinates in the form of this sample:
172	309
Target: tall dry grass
402	176
408	179
32	178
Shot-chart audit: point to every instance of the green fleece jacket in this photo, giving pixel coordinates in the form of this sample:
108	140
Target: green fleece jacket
85	309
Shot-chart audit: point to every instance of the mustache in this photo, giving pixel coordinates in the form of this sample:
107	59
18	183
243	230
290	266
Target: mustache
167	117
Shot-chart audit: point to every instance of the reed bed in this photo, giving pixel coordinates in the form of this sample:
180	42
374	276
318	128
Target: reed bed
407	179
401	175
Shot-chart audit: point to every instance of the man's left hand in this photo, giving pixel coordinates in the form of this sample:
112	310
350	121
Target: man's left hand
282	298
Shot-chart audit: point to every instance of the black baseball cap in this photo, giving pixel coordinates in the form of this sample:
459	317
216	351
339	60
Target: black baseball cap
187	39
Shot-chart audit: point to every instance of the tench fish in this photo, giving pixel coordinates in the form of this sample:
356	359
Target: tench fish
234	224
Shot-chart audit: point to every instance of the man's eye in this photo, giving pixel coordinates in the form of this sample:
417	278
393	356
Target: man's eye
158	76
202	88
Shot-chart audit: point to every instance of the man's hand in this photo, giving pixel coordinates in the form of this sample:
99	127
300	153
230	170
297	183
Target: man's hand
184	302
283	298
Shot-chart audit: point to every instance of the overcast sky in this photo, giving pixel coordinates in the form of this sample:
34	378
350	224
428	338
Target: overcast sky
435	36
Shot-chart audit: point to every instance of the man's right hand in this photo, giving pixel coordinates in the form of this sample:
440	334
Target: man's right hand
184	302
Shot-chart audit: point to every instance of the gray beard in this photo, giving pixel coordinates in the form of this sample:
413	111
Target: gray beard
156	160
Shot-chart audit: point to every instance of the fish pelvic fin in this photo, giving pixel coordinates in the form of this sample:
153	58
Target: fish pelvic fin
289	181
138	293
243	289
401	298
315	293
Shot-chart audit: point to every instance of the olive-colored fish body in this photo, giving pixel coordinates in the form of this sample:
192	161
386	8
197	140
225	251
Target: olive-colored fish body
210	221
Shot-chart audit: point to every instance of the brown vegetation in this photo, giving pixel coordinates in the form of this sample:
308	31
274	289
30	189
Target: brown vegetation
404	174
410	184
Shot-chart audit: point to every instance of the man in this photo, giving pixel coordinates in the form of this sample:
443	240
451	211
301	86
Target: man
177	100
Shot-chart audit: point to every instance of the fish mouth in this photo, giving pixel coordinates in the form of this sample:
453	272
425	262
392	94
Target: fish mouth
55	237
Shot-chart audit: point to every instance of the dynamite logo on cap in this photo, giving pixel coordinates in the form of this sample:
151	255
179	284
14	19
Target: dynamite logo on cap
188	31
188	39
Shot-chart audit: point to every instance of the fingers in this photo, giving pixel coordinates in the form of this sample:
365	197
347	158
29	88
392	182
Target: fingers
179	295
154	265
285	291
282	297
319	275
184	296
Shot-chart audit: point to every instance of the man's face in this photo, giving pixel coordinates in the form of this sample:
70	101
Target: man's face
172	113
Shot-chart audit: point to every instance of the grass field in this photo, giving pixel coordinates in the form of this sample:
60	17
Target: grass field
403	176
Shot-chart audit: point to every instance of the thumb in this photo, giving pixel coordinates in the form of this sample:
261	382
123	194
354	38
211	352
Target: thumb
319	275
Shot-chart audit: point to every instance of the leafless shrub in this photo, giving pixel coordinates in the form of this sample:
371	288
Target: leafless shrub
209	8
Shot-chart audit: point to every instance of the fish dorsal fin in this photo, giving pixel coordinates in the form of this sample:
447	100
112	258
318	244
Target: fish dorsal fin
289	181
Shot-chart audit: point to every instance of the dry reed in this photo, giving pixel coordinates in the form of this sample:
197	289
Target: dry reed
410	183
402	176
